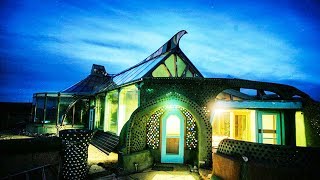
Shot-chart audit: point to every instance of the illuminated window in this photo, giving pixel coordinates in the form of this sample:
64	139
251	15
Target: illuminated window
269	129
99	114
111	111
173	66
221	127
128	102
189	73
240	127
172	134
161	71
300	130
233	124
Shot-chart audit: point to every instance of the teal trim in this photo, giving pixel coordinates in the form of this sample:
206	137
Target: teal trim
259	126
255	104
279	126
283	132
172	158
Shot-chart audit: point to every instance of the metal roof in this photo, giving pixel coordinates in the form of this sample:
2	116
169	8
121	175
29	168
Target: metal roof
91	83
138	71
98	81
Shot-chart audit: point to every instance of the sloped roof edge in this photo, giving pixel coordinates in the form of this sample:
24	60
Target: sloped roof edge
166	47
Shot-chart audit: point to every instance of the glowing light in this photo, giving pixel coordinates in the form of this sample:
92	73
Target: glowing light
171	176
173	125
219	111
300	130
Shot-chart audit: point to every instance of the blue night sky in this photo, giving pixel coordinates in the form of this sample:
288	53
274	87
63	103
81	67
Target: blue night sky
50	45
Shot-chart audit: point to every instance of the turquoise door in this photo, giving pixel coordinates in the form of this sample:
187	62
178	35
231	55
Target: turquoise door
172	142
269	127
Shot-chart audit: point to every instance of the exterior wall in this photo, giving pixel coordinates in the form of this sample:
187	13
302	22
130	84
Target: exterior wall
311	113
137	162
133	136
204	91
198	97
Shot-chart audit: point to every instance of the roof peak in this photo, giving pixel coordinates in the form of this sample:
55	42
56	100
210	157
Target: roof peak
171	44
168	46
98	70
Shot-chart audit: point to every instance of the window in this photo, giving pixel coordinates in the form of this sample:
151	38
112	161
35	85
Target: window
161	71
111	111
64	103
99	114
300	130
39	109
81	115
234	124
51	110
221	127
240	127
173	66
128	102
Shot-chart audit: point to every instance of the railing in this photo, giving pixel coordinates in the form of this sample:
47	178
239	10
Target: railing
40	172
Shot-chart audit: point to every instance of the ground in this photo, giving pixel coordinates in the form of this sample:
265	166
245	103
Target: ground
102	166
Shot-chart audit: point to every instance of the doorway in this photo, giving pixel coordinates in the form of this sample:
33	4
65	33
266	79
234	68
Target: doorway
172	143
269	127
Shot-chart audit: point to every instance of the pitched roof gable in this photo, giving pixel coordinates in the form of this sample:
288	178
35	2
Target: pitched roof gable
145	67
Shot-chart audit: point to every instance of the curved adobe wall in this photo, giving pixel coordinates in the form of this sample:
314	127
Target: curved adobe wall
203	92
311	112
197	96
135	139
